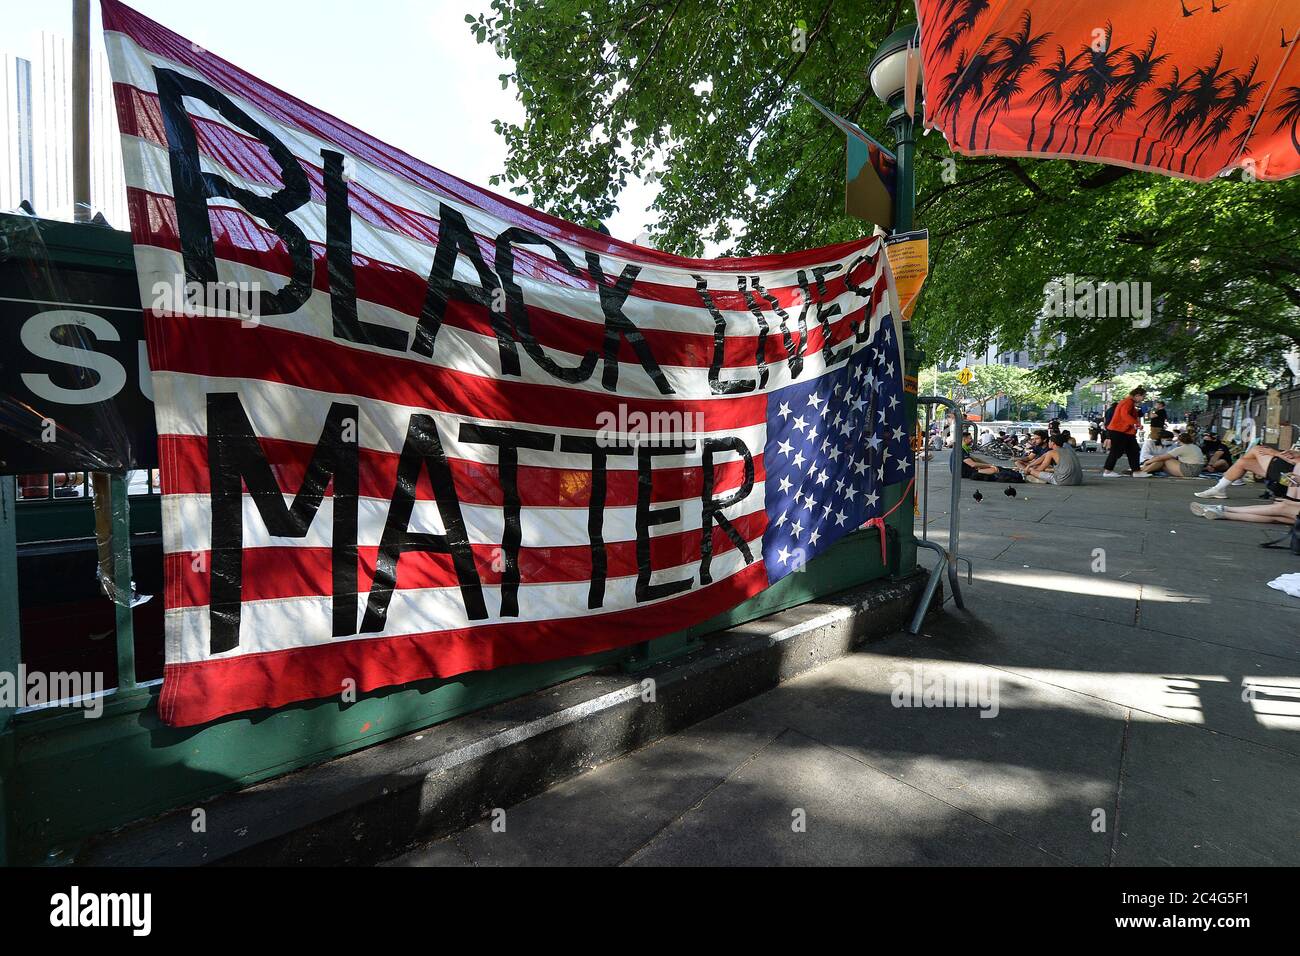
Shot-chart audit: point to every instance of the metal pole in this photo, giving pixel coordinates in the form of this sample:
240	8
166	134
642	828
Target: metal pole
81	110
950	556
120	546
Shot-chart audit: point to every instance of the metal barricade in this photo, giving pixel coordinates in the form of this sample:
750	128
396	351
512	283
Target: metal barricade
949	556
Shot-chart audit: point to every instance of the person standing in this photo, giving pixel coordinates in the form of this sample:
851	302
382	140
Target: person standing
1158	422
1122	430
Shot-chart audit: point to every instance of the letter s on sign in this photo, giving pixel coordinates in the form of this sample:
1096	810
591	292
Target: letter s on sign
38	337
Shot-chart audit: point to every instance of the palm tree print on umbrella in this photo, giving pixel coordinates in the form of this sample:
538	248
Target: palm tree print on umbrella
1018	54
1240	90
971	11
969	83
1142	66
1201	101
1289	110
1188	115
1059	74
1168	95
1095	83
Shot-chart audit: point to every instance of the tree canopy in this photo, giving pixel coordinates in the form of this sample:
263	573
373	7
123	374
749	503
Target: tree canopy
701	97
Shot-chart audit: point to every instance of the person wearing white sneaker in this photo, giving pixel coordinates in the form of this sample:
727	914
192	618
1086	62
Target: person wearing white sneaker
1279	512
1257	462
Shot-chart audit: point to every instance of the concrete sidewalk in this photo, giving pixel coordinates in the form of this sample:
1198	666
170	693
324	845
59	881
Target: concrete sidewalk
1147	708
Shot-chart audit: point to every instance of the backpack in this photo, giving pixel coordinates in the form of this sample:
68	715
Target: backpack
1289	540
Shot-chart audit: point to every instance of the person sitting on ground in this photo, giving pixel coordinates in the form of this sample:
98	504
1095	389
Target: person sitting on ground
1268	463
1065	433
1184	460
1060	466
1038	447
1281	511
1218	458
1156	446
976	469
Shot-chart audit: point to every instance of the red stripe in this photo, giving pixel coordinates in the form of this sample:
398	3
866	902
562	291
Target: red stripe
277	573
476	483
198	692
205	346
295	113
238	237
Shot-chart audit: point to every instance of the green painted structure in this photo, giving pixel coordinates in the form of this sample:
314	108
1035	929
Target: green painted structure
64	777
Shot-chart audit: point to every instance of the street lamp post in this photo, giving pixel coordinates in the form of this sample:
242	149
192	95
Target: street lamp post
888	72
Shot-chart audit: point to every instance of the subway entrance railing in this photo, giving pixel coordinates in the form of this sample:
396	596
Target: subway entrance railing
65	776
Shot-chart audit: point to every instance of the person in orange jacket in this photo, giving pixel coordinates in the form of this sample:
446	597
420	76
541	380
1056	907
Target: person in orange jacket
1122	431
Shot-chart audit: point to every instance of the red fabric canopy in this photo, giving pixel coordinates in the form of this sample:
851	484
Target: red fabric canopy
1189	88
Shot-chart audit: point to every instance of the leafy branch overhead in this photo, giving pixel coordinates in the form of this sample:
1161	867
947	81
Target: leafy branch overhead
699	97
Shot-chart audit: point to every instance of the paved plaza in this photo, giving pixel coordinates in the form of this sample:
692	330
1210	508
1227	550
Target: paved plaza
1147	711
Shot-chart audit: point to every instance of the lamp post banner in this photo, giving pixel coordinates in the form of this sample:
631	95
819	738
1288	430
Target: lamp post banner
408	428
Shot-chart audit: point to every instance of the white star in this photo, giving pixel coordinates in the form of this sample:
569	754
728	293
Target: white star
821	477
902	464
860	467
899	434
886	336
889	369
840	518
784	555
812	433
834	455
871	499
839	486
785	448
784	485
837	419
784	410
814	537
874	442
809	504
781	520
800	424
796	529
814	401
880	473
893	399
850	493
881	413
799	459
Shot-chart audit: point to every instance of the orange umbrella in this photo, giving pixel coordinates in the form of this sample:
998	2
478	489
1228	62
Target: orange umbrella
1190	88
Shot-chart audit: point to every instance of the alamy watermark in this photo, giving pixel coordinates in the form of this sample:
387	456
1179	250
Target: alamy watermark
219	300
1071	297
81	689
623	428
922	687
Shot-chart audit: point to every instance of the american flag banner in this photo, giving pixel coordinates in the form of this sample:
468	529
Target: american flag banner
409	428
